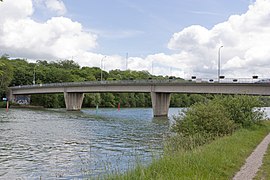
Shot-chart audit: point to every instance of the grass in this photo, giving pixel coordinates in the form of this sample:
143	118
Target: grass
220	159
264	171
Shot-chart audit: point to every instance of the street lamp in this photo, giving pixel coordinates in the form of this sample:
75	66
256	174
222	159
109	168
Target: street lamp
101	64
152	67
127	61
34	75
219	63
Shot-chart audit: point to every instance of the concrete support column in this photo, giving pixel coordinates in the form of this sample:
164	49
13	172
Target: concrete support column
160	103
73	101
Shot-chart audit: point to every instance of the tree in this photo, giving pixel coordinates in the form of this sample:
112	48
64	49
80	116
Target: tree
23	72
48	100
85	73
140	100
6	75
1	72
108	100
66	64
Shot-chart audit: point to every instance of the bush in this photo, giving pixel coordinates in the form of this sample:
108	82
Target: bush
207	119
203	122
243	110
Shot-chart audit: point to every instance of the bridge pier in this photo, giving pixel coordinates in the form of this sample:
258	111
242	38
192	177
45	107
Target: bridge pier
160	103
73	101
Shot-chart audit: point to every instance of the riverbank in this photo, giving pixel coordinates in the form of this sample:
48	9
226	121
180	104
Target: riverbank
12	105
220	159
27	106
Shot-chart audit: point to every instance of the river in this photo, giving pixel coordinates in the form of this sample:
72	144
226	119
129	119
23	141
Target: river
56	144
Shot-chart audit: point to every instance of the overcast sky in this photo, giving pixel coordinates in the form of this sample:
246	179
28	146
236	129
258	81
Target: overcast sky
166	37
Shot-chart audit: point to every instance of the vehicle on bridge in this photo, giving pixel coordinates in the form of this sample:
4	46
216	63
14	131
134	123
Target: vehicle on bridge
263	81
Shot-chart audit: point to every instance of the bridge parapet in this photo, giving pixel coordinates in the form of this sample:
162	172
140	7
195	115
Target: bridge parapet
102	83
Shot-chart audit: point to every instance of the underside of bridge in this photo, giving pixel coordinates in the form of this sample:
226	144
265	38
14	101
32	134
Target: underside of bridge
160	102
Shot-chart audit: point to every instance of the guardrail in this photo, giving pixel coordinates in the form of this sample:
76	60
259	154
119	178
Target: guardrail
227	80
116	82
150	81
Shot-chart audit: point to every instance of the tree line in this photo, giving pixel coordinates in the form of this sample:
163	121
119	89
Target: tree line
15	72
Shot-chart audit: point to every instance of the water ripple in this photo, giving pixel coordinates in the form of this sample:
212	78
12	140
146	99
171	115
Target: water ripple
55	144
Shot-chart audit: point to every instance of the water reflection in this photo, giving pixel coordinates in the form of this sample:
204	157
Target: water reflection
58	144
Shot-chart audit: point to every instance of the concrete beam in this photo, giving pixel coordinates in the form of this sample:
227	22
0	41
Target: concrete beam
160	103
73	101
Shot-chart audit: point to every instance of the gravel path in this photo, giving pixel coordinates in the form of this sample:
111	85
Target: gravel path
253	162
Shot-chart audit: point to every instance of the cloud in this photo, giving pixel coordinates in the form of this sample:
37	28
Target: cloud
56	5
188	37
52	6
56	38
245	38
11	10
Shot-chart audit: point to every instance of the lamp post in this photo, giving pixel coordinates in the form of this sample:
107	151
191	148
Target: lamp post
219	63
34	75
152	67
101	64
126	61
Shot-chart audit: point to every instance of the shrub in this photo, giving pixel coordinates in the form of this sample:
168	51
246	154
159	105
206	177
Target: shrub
203	122
209	119
243	110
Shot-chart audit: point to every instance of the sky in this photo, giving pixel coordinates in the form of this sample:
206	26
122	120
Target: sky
165	37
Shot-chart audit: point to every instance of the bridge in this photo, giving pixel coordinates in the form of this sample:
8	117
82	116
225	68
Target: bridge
160	90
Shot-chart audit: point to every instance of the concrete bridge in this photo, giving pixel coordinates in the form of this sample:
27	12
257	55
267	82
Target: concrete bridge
160	90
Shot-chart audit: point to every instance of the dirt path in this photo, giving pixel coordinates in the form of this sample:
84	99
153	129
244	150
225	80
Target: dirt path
253	162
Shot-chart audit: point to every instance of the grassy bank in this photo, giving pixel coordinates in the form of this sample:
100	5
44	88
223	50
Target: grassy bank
220	159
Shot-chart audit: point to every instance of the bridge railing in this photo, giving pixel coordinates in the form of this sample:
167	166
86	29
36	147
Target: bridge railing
116	82
149	81
226	80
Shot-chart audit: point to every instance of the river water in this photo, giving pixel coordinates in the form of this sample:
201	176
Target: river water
56	144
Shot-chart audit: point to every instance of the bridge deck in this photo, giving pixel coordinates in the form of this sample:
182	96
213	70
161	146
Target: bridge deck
168	86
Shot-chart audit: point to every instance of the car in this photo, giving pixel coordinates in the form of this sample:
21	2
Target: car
263	81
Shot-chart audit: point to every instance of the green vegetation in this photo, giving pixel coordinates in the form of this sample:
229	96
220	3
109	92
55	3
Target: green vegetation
220	159
211	141
205	121
243	110
3	104
204	118
264	171
6	74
